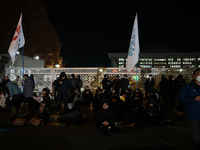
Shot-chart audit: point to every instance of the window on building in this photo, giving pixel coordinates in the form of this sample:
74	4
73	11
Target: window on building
187	62
171	63
170	59
121	59
198	59
145	66
159	59
121	62
178	59
159	63
145	59
175	66
145	63
189	59
121	66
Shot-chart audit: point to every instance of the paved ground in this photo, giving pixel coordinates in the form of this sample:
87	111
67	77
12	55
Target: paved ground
85	136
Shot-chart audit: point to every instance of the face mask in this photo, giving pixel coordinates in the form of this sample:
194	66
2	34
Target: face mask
198	78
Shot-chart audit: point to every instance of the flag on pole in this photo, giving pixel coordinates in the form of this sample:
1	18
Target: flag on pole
133	53
17	42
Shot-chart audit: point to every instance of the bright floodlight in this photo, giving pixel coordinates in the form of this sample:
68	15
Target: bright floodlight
181	69
17	53
100	70
37	57
57	66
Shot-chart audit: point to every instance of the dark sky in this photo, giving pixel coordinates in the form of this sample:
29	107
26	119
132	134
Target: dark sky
91	29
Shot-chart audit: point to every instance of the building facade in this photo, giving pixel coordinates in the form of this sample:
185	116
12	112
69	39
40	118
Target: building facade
158	60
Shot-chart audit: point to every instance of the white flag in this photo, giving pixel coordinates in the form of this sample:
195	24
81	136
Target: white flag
133	53
17	42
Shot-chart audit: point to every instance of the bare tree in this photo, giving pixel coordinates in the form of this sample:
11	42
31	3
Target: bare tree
40	36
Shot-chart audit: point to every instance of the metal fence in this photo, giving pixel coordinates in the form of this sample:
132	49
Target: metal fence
93	77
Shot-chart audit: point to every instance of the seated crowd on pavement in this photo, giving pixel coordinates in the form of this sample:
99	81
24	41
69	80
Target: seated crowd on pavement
114	104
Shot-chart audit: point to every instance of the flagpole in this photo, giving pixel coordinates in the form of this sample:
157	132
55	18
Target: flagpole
136	77
22	59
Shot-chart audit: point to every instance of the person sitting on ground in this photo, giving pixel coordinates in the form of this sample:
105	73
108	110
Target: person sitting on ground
45	96
43	112
114	93
87	96
117	107
72	116
153	115
105	118
96	104
78	100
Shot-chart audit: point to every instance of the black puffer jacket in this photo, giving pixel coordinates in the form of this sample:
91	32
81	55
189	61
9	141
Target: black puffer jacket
64	88
105	115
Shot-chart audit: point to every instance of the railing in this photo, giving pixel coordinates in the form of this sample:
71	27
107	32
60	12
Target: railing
93	77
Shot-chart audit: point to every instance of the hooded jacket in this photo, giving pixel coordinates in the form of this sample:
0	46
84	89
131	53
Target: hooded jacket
64	88
106	83
28	87
187	95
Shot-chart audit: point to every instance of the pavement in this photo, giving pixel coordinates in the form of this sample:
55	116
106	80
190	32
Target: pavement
85	137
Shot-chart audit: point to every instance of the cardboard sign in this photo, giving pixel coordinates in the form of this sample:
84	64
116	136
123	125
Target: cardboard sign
19	122
35	121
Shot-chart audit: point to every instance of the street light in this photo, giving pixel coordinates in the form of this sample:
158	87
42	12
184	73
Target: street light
57	66
37	57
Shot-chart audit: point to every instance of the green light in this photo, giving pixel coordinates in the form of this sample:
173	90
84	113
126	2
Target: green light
136	78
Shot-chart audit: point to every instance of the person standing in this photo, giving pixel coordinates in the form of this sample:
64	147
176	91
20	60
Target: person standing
179	83
164	89
28	93
79	83
172	92
149	84
116	85
106	85
32	78
74	82
64	85
17	81
190	96
124	85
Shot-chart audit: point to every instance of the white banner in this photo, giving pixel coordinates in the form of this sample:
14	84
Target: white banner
17	42
133	53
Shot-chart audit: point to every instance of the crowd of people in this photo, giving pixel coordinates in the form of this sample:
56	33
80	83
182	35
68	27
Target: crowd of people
114	103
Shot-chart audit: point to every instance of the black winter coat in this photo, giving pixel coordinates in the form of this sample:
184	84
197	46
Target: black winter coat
64	88
105	115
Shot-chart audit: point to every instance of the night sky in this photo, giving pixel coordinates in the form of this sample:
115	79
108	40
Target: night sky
91	29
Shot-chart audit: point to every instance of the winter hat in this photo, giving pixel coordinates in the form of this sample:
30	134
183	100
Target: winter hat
105	101
62	74
106	75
